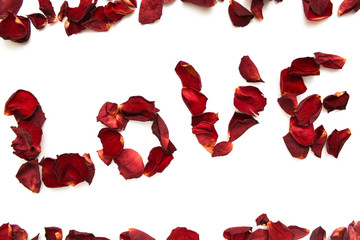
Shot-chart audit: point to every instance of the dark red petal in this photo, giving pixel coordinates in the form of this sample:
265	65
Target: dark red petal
348	5
206	135
256	8
239	15
47	8
189	77
202	3
302	67
239	124
288	103
310	15
15	28
38	20
12	6
62	11
259	234
6	232
354	230
80	12
37	118
320	140
249	100
299	232
209	117
296	150
22	104
194	100
75	235
98	21
337	101
318	234
130	3
23	144
27	24
278	231
237	233
48	175
36	237
308	110
110	116
161	131
150	11
262	220
336	141
222	149
182	233
319	6
329	60
18	233
35	134
112	142
53	233
107	160
29	176
130	164
248	70
158	160
303	135
339	234
115	11
139	109
91	168
134	234
73	27
290	84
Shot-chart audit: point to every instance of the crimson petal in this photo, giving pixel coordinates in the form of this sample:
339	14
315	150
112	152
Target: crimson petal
182	233
259	234
48	175
112	142
37	118
249	100
329	60
189	77
288	103
150	11
38	20
308	110
347	6
158	160
130	164
237	233
337	101
23	144
290	84
299	232
318	234
256	8
209	117
139	109
319	7
47	8
302	67
194	100
206	135
110	116
22	104
135	234
354	230
98	21
262	220
53	233
296	150
312	16
29	175
336	141
303	135
319	142
239	124
7	6
339	234
79	13
239	15
161	131
222	149
107	160
248	70
202	3
73	27
278	231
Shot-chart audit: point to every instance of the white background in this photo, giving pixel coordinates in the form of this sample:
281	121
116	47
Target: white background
73	76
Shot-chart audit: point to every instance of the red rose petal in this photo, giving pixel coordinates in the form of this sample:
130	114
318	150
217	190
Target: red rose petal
12	6
38	20
288	103
107	160
310	15
222	149
182	233
354	230
111	13
75	235
303	135
29	176
296	150
278	231
237	233
202	3
35	133
134	234
194	100
73	27
206	135
337	101
161	131
262	220
110	116
249	100
339	234
48	175
329	60
130	3
158	160
23	144
53	233
139	109
189	77
299	232
336	141
130	164
36	237
15	28
79	13
98	21
290	84
22	104
47	8
27	24
37	118
150	11
256	8
62	11
91	168
259	234
319	6
318	234
308	110
248	70
112	142
239	124
302	67
319	142
348	5
239	15
209	117
18	233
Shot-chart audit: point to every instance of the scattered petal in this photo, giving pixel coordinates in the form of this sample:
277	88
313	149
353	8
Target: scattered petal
53	233
239	124
62	11
38	20
23	144
318	234
348	5
296	150
98	21
354	230
222	149
308	110
48	10
18	233
182	233
150	11
48	175
310	15
134	234
209	117
29	176
158	160
259	234
36	237
288	103
202	3
194	100
337	101
112	142
319	142
248	70
189	77
262	220
37	118
239	15
139	109
12	6
290	84
249	100
329	60
256	8
302	67
278	231
107	160
130	3
73	27
22	104
319	7
303	135
79	13
110	116
130	164
237	233
206	135
299	232
336	141
161	131
339	234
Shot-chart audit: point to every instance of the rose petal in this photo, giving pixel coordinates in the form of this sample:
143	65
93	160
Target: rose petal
98	21
29	176
354	230
35	134
237	233
12	6
319	142
202	3
110	116
189	77
222	149
130	3
259	234
194	100
79	13
256	8
290	84
308	110
48	175
116	10
91	168
288	103
239	124
75	235
158	160
262	220
23	144
337	101
348	5
209	117
150	11
53	233
336	141
339	234
303	135
139	109
319	7
329	60
15	28
62	11
310	15
38	20
22	104
299	232
134	234
37	118
302	67
18	233
112	142
130	164
182	233
36	237
249	100
248	70
296	150
278	231
47	8
239	15
161	131
107	160
206	135
318	234
73	27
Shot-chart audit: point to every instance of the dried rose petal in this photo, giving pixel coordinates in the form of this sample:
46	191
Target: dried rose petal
319	7
150	11
53	233
37	118
262	220
278	231
209	117
337	101
130	164
107	160
339	234
308	110
348	5
222	149
62	11
320	140
18	233
296	150
194	100
336	141
329	60
161	131
256	8
75	235
135	234
189	77
130	3
239	124
310	15
158	160
15	28
22	104
48	175
354	230
29	176
112	142
291	84
302	67
303	135
38	20
318	234
115	11
202	3
36	237
288	103
79	13
239	15
139	109
73	27
237	233
98	21
206	135
249	100
182	233
35	134
47	8
91	168
23	144
299	232
110	116
259	234
12	6
248	70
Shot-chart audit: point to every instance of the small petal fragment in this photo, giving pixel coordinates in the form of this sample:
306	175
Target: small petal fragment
194	100
158	160
98	21
262	220
62	11
27	142
288	103
237	233
209	117
296	150
22	104
206	135
189	77
259	234
107	160
248	70
161	131
239	124
278	231
38	20
110	116
339	234
150	11
337	101
290	84
222	149
239	15
256	8
130	3
47	8
329	60
139	109
319	142
354	230
299	232
249	100
308	110
53	233
112	142
318	234
7	6
130	164
302	67
202	3
348	5
303	135
336	141
135	234
182	233
29	176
